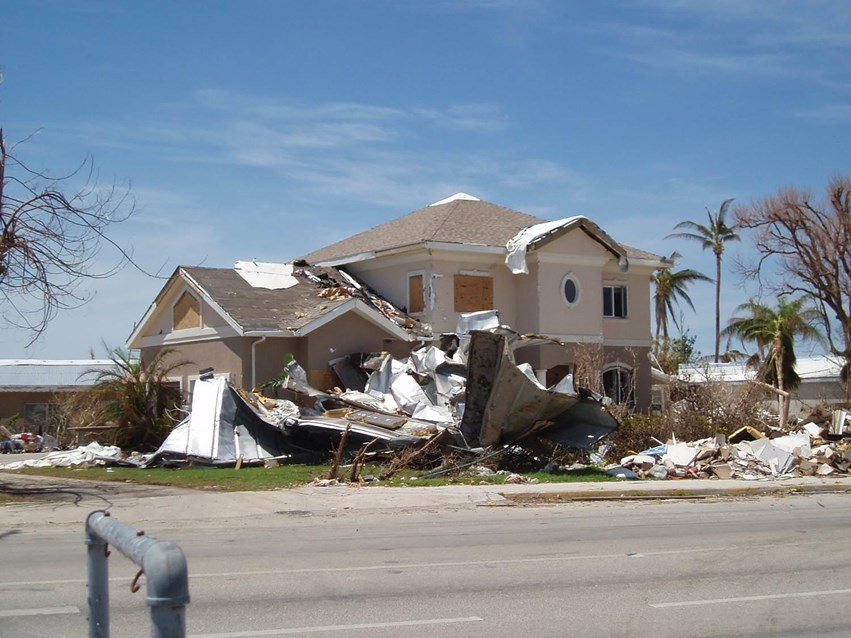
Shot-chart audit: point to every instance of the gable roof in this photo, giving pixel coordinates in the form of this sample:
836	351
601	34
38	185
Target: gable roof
460	219
315	296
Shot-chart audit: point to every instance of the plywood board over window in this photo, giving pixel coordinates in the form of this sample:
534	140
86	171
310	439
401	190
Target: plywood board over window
473	293
186	312
416	302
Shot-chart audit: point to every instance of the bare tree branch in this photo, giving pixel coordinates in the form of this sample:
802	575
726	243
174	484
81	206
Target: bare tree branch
51	236
809	241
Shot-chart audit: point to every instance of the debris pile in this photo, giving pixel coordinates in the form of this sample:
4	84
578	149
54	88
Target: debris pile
442	397
336	284
746	454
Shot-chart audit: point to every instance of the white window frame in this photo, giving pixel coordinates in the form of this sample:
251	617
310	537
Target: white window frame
620	368
571	276
625	302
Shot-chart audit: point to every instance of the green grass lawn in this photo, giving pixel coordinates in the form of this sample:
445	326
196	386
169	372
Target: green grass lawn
285	476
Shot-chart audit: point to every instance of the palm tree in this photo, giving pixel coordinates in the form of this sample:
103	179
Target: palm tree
671	291
712	236
139	397
774	331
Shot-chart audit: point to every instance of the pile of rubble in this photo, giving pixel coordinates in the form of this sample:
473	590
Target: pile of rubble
746	454
466	394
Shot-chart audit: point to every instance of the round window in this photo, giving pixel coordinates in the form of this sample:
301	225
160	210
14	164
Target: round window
570	289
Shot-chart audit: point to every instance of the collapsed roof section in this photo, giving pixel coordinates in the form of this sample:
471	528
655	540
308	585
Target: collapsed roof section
488	402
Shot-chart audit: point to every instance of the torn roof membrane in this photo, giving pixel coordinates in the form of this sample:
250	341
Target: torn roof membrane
262	274
518	246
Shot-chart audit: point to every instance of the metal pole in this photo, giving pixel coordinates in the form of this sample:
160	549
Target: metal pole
98	569
166	575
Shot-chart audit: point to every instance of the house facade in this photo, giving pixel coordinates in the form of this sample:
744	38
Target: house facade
565	279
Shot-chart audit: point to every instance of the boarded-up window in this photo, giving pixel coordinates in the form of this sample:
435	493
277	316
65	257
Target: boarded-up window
415	293
186	312
473	293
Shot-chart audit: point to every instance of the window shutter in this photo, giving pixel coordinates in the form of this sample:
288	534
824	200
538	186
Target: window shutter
473	293
415	294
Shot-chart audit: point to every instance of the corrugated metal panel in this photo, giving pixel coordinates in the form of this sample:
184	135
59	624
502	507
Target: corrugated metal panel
16	374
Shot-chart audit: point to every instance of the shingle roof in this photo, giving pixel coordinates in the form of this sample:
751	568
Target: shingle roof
460	221
319	291
261	309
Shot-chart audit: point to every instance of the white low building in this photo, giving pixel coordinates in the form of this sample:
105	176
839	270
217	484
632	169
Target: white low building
820	387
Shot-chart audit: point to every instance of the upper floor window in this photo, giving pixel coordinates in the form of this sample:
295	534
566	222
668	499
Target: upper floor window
186	313
473	292
570	289
614	301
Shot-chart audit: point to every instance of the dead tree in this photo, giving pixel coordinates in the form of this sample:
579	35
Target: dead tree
809	241
52	231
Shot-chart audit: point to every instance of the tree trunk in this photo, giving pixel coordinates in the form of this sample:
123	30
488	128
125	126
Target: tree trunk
717	305
782	396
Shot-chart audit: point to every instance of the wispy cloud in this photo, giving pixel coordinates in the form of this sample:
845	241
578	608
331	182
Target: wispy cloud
736	36
828	113
683	59
366	152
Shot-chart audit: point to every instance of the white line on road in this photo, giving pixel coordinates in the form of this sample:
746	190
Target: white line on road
42	611
385	566
741	599
321	628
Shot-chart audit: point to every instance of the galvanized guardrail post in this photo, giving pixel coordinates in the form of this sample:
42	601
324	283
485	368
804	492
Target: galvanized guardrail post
164	566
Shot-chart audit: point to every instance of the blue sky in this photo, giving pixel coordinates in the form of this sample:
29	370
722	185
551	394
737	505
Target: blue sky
266	129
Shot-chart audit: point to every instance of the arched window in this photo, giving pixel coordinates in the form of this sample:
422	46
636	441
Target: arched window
618	384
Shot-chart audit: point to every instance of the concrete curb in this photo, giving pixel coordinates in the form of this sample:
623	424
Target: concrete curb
153	505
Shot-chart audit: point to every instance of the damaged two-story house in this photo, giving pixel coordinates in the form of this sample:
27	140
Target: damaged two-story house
403	283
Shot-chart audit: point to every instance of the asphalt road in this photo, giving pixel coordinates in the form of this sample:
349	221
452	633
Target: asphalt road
772	566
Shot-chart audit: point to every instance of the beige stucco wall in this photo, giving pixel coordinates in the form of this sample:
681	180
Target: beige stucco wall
527	310
225	355
345	335
389	277
635	328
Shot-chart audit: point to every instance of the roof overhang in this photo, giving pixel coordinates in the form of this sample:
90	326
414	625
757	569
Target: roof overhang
359	308
408	248
538	235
